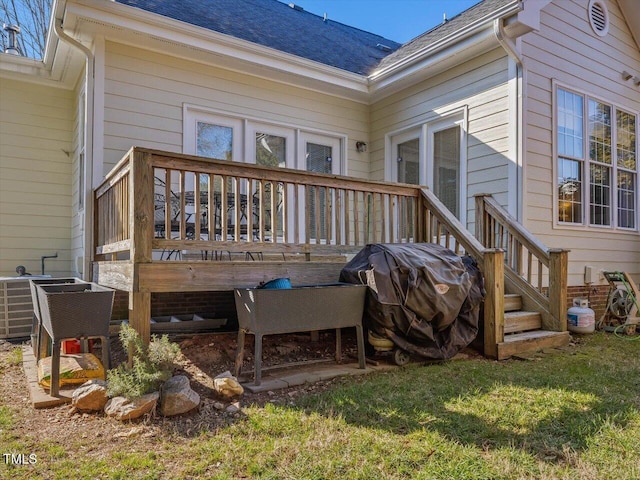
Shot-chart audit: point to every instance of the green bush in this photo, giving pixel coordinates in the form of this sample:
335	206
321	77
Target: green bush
151	365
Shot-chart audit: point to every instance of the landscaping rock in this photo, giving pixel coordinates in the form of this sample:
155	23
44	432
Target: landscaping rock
227	386
90	396
177	397
123	408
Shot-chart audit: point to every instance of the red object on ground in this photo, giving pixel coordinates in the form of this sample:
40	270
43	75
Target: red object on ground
70	347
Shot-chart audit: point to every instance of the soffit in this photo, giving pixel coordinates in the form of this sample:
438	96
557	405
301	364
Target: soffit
630	11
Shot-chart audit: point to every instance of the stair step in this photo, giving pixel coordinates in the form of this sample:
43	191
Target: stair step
521	321
512	302
531	342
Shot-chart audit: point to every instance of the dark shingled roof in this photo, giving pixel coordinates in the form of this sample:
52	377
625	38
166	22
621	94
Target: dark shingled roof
275	24
460	21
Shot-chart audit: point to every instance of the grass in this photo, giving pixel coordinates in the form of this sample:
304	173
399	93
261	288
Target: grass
571	415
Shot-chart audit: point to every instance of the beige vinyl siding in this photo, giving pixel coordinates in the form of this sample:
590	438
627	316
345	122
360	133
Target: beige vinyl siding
481	86
36	124
566	50
145	93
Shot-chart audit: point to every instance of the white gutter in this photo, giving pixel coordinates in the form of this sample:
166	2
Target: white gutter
121	19
516	121
87	221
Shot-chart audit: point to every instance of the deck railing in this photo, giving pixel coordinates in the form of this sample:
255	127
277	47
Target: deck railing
186	203
156	201
112	211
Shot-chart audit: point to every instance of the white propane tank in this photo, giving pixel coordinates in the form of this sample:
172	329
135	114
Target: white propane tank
580	318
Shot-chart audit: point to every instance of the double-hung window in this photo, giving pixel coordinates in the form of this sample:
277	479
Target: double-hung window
597	168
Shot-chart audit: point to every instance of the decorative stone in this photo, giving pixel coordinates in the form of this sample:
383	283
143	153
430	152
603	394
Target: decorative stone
227	386
177	397
90	396
233	408
123	408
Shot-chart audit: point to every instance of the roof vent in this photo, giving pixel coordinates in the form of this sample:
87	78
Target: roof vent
599	17
12	33
296	7
383	47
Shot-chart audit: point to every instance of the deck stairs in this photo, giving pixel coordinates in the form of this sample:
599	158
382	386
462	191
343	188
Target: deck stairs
524	332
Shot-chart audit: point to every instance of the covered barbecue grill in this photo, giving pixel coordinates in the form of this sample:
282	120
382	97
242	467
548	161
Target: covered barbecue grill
421	296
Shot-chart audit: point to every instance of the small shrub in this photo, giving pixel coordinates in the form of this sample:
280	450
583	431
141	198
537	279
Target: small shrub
163	353
151	365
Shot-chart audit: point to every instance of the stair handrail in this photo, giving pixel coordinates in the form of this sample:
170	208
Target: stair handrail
449	224
490	260
497	228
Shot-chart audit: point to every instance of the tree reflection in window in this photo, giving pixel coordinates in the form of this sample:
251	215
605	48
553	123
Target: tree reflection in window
569	191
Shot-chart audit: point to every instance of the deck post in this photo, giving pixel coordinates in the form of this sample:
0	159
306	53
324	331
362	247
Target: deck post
558	265
481	236
494	301
141	217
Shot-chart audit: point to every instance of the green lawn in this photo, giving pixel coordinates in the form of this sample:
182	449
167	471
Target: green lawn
573	415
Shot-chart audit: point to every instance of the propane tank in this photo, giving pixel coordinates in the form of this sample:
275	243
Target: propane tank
580	318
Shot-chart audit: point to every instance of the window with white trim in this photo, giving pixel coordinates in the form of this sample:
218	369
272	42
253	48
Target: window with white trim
433	154
597	168
224	137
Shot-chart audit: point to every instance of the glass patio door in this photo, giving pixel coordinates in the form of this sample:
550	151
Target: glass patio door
322	155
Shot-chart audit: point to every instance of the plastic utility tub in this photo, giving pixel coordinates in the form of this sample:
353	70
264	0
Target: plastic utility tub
299	309
41	348
74	310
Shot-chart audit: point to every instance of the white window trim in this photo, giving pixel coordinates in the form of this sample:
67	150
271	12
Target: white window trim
424	130
246	126
190	122
586	219
391	165
334	143
252	128
434	127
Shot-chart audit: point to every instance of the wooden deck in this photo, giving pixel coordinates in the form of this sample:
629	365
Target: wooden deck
176	223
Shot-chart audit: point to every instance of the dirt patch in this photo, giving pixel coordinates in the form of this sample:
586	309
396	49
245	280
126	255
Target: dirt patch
204	356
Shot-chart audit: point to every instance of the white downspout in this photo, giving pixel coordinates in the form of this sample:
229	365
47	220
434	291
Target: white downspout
87	237
516	121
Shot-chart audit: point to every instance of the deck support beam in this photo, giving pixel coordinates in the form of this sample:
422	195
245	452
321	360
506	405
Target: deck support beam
558	269
141	217
493	271
140	315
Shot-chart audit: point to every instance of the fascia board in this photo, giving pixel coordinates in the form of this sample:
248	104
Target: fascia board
59	67
24	69
422	55
444	59
116	17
